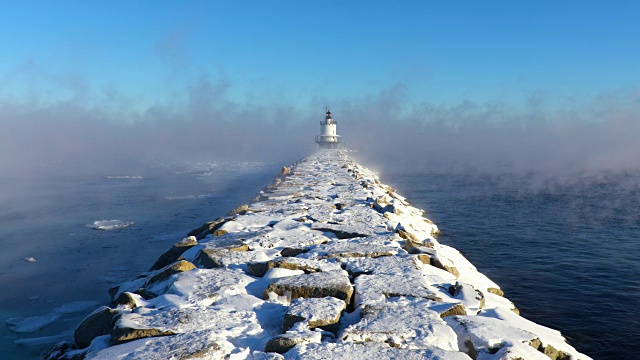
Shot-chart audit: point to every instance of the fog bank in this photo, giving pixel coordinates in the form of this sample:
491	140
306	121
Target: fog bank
548	136
554	136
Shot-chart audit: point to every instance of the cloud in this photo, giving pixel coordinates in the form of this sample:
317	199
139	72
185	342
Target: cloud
548	134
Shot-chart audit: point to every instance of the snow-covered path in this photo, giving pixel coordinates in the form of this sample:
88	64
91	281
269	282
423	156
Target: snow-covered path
325	263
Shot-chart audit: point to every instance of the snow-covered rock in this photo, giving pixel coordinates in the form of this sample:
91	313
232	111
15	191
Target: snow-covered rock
154	322
361	247
174	252
378	287
368	351
316	312
402	322
290	262
96	324
193	345
300	334
314	285
202	287
381	265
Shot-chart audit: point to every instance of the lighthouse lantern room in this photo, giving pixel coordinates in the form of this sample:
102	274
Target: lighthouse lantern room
328	138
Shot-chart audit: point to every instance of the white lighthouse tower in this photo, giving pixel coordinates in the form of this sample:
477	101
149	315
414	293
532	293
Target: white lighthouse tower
328	138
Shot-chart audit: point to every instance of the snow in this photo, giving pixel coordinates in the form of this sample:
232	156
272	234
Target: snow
381	265
354	248
487	333
403	322
290	236
493	301
514	351
277	273
469	296
320	284
315	310
468	272
204	286
236	259
221	319
546	335
305	264
328	226
205	343
376	288
368	351
254	221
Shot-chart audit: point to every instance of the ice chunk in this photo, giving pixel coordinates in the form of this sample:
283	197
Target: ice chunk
110	224
44	340
31	324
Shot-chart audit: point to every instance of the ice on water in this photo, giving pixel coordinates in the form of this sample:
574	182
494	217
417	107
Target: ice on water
110	224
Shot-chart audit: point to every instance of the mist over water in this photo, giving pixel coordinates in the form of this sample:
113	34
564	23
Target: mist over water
544	202
163	117
548	134
545	167
52	221
562	253
551	137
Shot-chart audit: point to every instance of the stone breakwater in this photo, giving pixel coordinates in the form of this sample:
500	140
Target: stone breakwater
325	263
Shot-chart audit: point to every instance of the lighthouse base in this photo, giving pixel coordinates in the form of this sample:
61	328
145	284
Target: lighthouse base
328	145
328	141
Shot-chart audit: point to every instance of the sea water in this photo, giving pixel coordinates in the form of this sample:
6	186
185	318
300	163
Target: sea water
566	252
69	234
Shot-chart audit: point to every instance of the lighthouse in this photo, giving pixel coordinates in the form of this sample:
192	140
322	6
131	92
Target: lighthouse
328	138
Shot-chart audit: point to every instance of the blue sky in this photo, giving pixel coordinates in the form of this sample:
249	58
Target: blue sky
302	53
